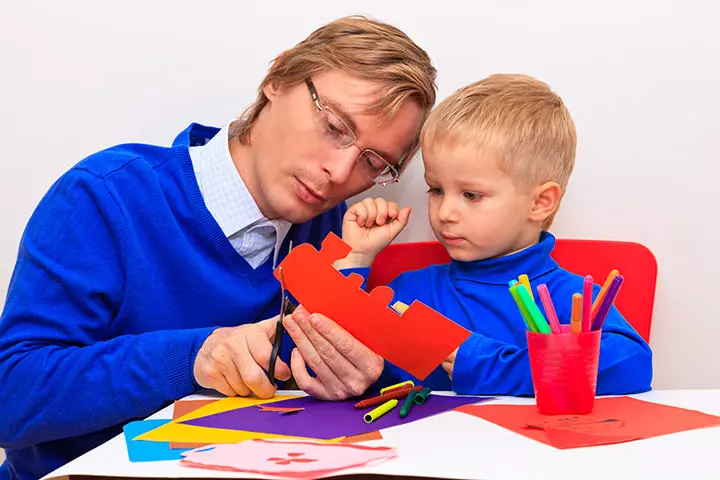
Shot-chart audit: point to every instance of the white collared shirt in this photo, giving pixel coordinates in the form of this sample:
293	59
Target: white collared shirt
227	198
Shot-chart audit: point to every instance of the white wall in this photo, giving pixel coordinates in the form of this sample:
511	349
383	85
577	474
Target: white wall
640	78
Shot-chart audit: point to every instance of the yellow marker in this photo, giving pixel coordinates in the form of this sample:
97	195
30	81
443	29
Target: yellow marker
526	281
373	415
400	307
576	316
603	291
397	385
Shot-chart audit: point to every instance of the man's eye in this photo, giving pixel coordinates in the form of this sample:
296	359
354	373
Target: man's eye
334	129
434	191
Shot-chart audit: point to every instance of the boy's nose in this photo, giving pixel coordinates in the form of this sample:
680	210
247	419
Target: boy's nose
447	211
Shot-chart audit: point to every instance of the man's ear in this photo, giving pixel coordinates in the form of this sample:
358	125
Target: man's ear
271	90
547	200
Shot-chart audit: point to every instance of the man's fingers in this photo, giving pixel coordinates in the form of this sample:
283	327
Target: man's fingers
309	353
253	376
261	350
364	359
305	382
330	355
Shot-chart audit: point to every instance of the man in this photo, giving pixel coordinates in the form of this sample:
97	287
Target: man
146	272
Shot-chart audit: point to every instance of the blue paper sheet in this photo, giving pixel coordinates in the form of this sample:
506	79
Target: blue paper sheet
144	451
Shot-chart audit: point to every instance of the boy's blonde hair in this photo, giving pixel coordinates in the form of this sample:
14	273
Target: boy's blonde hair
516	117
364	48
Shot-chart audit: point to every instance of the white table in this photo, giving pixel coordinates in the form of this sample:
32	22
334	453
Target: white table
456	445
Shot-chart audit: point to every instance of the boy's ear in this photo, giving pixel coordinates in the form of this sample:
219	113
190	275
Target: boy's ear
547	201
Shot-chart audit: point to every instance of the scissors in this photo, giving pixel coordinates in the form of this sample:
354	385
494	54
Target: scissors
287	307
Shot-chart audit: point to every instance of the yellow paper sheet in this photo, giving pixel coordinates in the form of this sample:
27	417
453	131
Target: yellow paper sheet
177	432
182	433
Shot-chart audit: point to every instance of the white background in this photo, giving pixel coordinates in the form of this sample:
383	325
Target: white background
641	79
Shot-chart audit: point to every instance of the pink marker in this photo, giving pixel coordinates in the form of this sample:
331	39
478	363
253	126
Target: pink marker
587	303
549	308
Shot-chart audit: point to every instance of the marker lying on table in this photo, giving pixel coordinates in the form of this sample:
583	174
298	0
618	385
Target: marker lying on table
373	415
422	396
407	405
399	393
408	383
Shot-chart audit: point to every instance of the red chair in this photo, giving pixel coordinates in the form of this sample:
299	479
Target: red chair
595	257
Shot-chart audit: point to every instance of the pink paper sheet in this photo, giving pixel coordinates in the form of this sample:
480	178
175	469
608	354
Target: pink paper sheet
286	458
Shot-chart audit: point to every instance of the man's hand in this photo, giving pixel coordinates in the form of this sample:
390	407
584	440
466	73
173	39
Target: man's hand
368	227
343	366
233	360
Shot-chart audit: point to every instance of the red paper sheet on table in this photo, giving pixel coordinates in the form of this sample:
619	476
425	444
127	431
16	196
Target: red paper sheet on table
614	420
416	341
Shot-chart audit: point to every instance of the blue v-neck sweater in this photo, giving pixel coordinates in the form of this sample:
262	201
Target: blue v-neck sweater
494	360
121	275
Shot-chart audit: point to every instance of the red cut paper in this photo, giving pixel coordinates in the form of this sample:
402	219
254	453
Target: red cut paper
613	420
417	341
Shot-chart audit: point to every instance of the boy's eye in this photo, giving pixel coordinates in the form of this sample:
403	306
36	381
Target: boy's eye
472	196
434	191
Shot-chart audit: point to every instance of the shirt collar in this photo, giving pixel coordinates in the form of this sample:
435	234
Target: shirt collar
534	261
225	193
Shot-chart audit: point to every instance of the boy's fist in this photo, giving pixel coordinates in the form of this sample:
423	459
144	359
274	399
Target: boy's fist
368	227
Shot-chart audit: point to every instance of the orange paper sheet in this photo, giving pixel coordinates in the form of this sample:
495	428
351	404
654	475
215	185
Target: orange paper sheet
614	420
418	340
182	408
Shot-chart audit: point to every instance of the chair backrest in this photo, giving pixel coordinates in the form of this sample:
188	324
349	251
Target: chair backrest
595	257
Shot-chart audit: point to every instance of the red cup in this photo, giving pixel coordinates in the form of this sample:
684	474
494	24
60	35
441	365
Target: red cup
564	370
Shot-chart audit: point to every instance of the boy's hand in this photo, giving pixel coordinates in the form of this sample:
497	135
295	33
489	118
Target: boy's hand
368	227
449	363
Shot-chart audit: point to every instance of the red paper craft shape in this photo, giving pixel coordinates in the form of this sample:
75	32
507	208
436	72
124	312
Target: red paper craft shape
416	341
613	420
281	410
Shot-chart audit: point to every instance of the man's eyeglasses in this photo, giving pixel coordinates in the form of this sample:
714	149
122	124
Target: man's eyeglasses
337	131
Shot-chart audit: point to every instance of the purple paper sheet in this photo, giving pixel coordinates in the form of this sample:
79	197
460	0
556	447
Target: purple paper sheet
326	420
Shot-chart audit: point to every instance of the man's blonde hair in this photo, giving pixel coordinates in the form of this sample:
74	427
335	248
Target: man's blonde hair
364	48
516	117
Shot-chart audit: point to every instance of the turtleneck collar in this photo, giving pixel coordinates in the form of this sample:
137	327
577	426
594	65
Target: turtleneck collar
534	261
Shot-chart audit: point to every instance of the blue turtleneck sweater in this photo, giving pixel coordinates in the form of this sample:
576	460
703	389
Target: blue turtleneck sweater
494	360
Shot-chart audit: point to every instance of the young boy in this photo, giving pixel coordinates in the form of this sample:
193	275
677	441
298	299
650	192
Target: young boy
498	154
